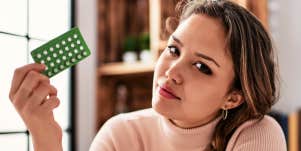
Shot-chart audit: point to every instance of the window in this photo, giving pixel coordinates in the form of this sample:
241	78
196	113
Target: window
25	25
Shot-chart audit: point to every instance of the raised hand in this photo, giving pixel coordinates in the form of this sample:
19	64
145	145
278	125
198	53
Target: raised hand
34	99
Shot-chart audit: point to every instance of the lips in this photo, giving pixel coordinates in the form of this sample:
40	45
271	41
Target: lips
167	93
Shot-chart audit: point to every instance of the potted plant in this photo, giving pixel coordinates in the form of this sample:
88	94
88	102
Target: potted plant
130	47
144	46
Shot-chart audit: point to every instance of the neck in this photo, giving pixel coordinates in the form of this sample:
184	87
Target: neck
190	125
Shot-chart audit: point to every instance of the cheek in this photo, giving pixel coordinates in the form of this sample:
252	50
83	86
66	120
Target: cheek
204	94
202	103
158	71
161	66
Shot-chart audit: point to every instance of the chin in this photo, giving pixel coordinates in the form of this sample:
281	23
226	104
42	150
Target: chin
163	108
162	112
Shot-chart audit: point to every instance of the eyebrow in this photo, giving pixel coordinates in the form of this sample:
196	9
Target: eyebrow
177	40
197	53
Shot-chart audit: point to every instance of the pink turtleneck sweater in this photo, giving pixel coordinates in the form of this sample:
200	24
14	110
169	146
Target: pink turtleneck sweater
146	130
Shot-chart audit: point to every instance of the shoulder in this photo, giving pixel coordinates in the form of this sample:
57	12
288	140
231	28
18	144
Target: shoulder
264	134
266	125
131	121
123	130
139	116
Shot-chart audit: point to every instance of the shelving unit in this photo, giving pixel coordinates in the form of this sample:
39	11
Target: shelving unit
121	68
122	86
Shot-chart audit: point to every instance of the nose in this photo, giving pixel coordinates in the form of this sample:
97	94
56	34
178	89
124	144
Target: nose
174	74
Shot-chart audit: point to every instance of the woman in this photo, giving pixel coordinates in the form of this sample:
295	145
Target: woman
213	86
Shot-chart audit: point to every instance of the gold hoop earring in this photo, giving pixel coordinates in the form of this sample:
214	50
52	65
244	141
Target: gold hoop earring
225	114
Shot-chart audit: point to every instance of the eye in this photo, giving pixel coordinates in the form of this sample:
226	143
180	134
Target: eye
203	68
173	50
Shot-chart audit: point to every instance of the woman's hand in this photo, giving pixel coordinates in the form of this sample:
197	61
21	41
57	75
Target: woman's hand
34	99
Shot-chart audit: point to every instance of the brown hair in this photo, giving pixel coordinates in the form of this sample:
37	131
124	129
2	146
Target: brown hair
254	63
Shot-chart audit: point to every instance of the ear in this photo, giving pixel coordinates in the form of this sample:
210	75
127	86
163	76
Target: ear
233	100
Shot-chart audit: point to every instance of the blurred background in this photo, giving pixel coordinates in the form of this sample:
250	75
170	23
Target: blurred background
125	38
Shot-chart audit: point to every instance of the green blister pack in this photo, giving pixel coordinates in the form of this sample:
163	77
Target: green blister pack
61	52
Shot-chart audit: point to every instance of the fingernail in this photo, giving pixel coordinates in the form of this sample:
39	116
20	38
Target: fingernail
43	66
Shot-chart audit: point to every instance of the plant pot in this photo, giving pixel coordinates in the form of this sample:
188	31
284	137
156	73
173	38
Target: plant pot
145	56
129	57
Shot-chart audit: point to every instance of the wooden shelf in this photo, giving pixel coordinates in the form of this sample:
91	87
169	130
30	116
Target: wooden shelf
121	68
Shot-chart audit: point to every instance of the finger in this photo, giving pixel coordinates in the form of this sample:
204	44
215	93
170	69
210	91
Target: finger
51	103
53	92
41	93
20	74
31	82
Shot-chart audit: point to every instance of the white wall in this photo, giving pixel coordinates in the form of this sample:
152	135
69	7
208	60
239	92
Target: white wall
86	75
288	41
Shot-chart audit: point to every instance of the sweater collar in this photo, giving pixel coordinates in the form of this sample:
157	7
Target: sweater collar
193	138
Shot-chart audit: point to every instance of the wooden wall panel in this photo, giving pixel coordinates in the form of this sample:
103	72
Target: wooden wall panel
139	94
116	20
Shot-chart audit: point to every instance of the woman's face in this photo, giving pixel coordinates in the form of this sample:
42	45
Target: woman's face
194	73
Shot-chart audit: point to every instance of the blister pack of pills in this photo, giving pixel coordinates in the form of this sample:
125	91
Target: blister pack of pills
61	52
